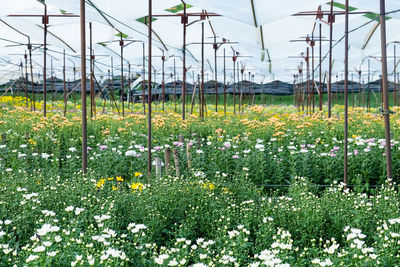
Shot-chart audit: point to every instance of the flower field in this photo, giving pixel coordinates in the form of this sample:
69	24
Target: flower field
261	188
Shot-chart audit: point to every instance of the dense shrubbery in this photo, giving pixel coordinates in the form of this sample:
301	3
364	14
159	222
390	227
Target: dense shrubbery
228	208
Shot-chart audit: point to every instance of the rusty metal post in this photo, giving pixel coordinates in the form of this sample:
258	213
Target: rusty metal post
312	74
175	96
83	85
64	86
308	81
234	82
143	79
202	71
321	88
26	79
239	88
346	91
45	21
386	111
163	80
331	20
91	55
369	86
122	97
394	75
215	46
31	67
130	93
52	82
184	22
224	83
149	162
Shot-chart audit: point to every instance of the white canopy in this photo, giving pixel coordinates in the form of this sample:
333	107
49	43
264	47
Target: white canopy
269	39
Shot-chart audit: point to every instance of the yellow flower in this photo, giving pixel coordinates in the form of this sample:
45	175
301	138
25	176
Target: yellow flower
110	179
120	179
209	186
137	174
137	186
32	142
100	183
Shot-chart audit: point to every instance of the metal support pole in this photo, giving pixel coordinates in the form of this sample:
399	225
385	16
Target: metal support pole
130	99
308	82
224	83
394	75
91	73
33	86
184	22
45	21
215	72
202	71
346	91
234	83
369	86
149	162
331	21
143	79
83	85
122	97
163	80
26	79
175	96
64	87
321	88
312	74
386	111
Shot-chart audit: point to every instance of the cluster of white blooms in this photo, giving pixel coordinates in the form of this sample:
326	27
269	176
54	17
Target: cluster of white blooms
135	228
326	262
72	208
113	253
268	258
47	228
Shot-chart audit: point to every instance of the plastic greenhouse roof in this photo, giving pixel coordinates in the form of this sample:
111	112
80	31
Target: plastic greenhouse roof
263	30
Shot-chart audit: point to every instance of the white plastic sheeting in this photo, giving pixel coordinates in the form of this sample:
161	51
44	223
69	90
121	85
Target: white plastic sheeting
242	21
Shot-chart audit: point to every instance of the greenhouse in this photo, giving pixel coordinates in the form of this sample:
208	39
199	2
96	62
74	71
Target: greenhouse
199	133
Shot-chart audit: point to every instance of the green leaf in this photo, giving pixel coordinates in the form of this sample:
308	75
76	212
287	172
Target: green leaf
177	8
123	35
144	19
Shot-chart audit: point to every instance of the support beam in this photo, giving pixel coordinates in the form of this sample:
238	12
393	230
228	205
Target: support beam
83	85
